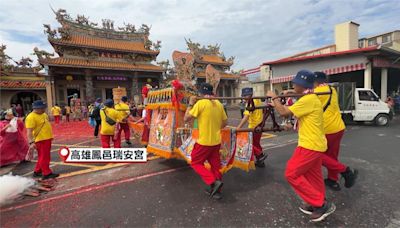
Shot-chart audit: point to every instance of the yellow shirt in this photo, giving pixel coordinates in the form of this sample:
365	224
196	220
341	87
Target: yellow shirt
255	117
210	115
68	110
308	110
333	121
40	125
123	109
107	129
56	111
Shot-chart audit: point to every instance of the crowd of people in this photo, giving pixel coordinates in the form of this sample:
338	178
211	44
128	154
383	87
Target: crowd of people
23	135
320	129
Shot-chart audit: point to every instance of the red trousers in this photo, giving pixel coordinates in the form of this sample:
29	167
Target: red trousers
67	117
257	149
57	119
200	154
127	131
330	159
105	141
43	164
304	174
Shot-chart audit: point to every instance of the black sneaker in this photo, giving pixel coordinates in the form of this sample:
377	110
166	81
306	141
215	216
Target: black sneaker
260	164
261	157
215	187
306	209
350	177
128	142
50	176
37	174
217	195
334	185
320	213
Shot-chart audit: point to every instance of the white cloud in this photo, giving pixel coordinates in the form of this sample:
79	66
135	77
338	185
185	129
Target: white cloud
252	30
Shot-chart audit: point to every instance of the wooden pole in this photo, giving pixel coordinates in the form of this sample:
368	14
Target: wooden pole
261	97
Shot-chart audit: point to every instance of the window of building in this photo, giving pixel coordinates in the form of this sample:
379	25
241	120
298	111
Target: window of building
367	96
386	38
372	42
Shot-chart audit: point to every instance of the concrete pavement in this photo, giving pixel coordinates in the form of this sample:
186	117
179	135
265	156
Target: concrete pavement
167	193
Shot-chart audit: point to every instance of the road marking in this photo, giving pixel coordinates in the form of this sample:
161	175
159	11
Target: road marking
92	188
99	168
278	145
381	135
267	136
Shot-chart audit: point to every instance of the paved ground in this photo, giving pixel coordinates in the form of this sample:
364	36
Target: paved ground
80	134
168	193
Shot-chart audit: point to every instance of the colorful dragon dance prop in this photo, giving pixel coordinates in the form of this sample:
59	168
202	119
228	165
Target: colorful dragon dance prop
167	136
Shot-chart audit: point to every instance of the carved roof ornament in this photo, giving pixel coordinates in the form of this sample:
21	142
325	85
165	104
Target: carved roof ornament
213	50
61	15
3	56
157	45
108	24
144	29
51	33
81	19
203	50
41	54
25	62
128	28
64	32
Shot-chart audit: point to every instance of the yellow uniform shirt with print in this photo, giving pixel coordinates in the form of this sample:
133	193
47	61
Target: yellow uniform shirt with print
107	129
123	109
40	125
308	111
255	117
56	111
333	121
210	114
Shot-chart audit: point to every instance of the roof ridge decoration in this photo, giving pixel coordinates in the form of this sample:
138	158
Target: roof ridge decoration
42	54
63	17
198	51
23	65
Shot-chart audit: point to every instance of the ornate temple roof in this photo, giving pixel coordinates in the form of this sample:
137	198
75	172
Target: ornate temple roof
106	44
212	59
95	64
83	44
208	55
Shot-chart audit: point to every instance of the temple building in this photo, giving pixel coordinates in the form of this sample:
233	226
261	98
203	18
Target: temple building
201	60
20	82
92	59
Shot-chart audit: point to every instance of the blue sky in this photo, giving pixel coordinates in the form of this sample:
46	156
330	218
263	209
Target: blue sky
252	30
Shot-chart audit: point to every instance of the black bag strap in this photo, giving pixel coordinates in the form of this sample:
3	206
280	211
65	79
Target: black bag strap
329	100
104	110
